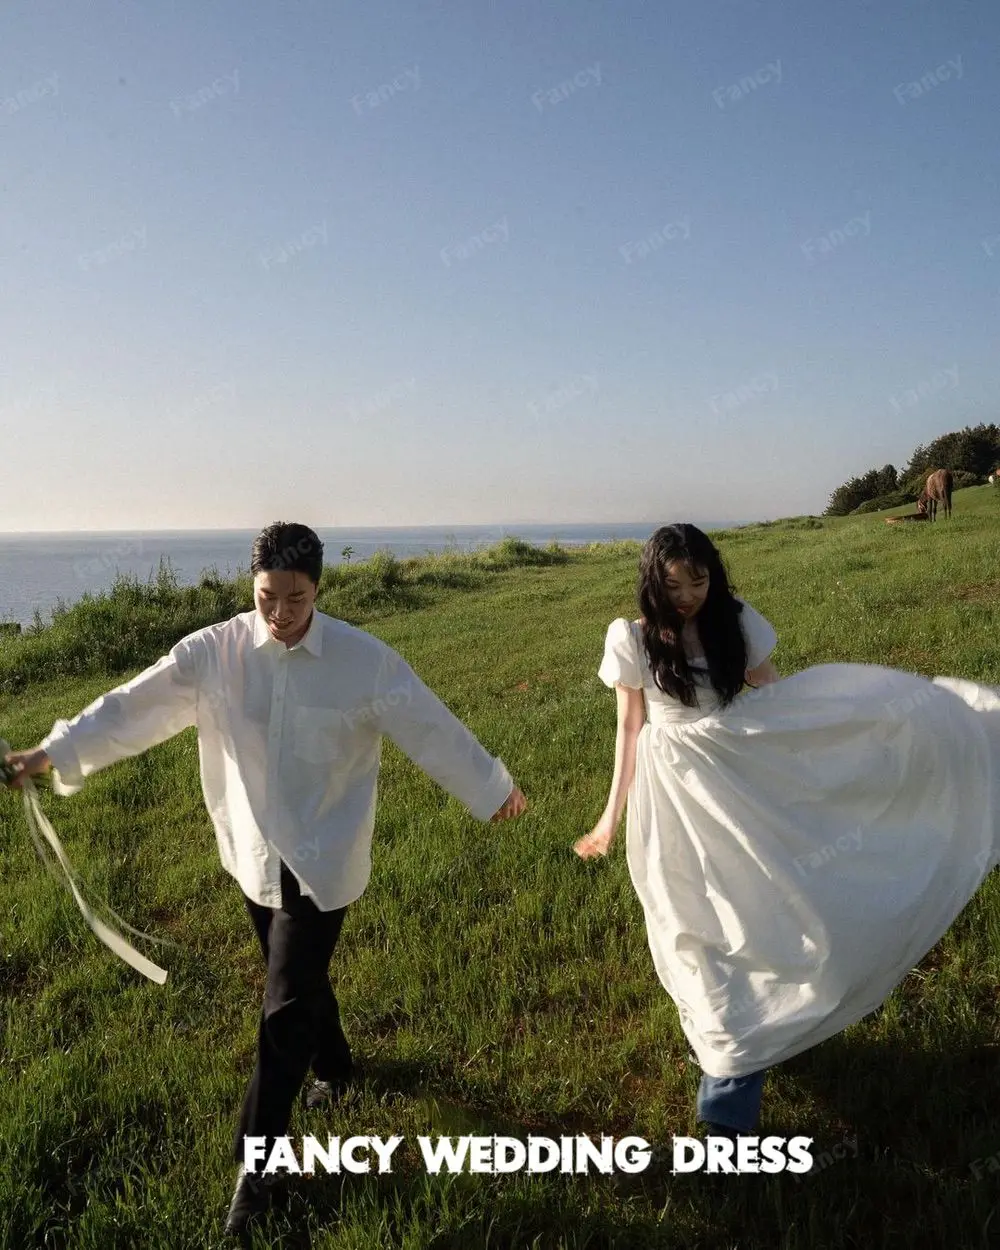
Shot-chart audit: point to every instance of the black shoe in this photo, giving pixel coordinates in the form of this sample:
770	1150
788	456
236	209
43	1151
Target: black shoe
251	1197
318	1095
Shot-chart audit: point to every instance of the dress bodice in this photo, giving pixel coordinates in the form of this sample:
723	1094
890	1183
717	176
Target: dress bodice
663	709
625	663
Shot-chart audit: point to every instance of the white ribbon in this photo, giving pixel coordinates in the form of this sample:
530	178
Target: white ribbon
39	827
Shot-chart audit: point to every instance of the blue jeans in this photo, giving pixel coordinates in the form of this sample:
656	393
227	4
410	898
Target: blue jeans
732	1101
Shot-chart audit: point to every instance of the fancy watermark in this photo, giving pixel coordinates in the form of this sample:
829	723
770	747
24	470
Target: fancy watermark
941	380
749	83
927	82
583	78
214	90
842	845
108	559
574	388
496	232
740	1005
288	555
838	1152
991	245
762	384
987	1166
26	96
641	248
282	254
379	401
41	399
202	402
376	708
405	80
128	243
828	243
907	705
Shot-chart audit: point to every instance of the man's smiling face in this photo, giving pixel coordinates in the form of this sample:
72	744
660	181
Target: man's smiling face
285	601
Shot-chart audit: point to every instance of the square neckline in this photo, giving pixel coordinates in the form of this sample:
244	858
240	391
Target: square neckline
696	659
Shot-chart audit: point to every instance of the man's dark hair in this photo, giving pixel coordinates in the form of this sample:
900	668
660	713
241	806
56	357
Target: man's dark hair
289	546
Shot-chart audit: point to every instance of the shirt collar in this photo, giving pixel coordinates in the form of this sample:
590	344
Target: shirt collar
312	641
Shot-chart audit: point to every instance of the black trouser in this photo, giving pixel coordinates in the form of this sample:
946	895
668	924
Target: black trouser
300	1020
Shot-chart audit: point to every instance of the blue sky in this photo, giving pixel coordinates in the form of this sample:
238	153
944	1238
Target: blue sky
439	263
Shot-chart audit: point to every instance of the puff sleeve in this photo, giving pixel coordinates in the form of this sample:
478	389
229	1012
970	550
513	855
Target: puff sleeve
621	656
759	633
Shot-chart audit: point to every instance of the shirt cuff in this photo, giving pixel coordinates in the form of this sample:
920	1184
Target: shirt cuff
67	777
494	794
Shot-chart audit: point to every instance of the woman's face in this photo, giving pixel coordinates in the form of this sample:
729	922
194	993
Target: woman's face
687	588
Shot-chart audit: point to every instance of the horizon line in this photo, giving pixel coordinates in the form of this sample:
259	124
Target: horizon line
200	529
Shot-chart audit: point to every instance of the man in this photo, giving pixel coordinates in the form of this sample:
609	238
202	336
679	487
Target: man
291	706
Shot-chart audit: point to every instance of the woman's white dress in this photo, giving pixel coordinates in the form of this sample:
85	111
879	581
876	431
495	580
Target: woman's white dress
798	852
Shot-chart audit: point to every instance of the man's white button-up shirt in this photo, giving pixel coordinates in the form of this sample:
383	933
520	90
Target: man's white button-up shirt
289	741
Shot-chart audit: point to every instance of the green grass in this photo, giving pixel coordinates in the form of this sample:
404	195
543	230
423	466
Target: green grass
489	980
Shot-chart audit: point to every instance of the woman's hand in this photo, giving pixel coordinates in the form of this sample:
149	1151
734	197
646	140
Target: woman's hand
598	841
763	675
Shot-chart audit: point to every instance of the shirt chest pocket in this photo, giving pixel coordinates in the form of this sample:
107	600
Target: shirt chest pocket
320	735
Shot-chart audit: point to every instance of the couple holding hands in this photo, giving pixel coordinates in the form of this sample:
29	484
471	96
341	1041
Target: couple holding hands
797	844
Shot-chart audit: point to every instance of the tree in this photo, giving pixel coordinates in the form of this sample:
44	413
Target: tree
346	553
888	480
875	483
974	450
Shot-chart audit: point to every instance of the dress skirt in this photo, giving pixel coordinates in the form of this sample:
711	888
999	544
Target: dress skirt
799	852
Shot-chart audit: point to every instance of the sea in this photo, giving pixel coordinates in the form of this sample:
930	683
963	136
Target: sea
37	571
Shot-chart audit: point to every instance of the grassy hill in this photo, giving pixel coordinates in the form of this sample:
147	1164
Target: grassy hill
489	980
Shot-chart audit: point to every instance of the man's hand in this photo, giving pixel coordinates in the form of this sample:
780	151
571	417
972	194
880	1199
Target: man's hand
26	764
515	805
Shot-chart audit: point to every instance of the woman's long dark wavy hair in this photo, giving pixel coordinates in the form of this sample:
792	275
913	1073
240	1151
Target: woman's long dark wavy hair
718	621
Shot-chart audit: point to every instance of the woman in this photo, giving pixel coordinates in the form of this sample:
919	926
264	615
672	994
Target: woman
797	847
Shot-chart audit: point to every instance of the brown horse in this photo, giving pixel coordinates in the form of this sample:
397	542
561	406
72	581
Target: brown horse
938	490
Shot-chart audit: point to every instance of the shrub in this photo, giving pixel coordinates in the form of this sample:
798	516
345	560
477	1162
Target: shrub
134	623
801	523
781	523
129	626
353	592
895	499
514	553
